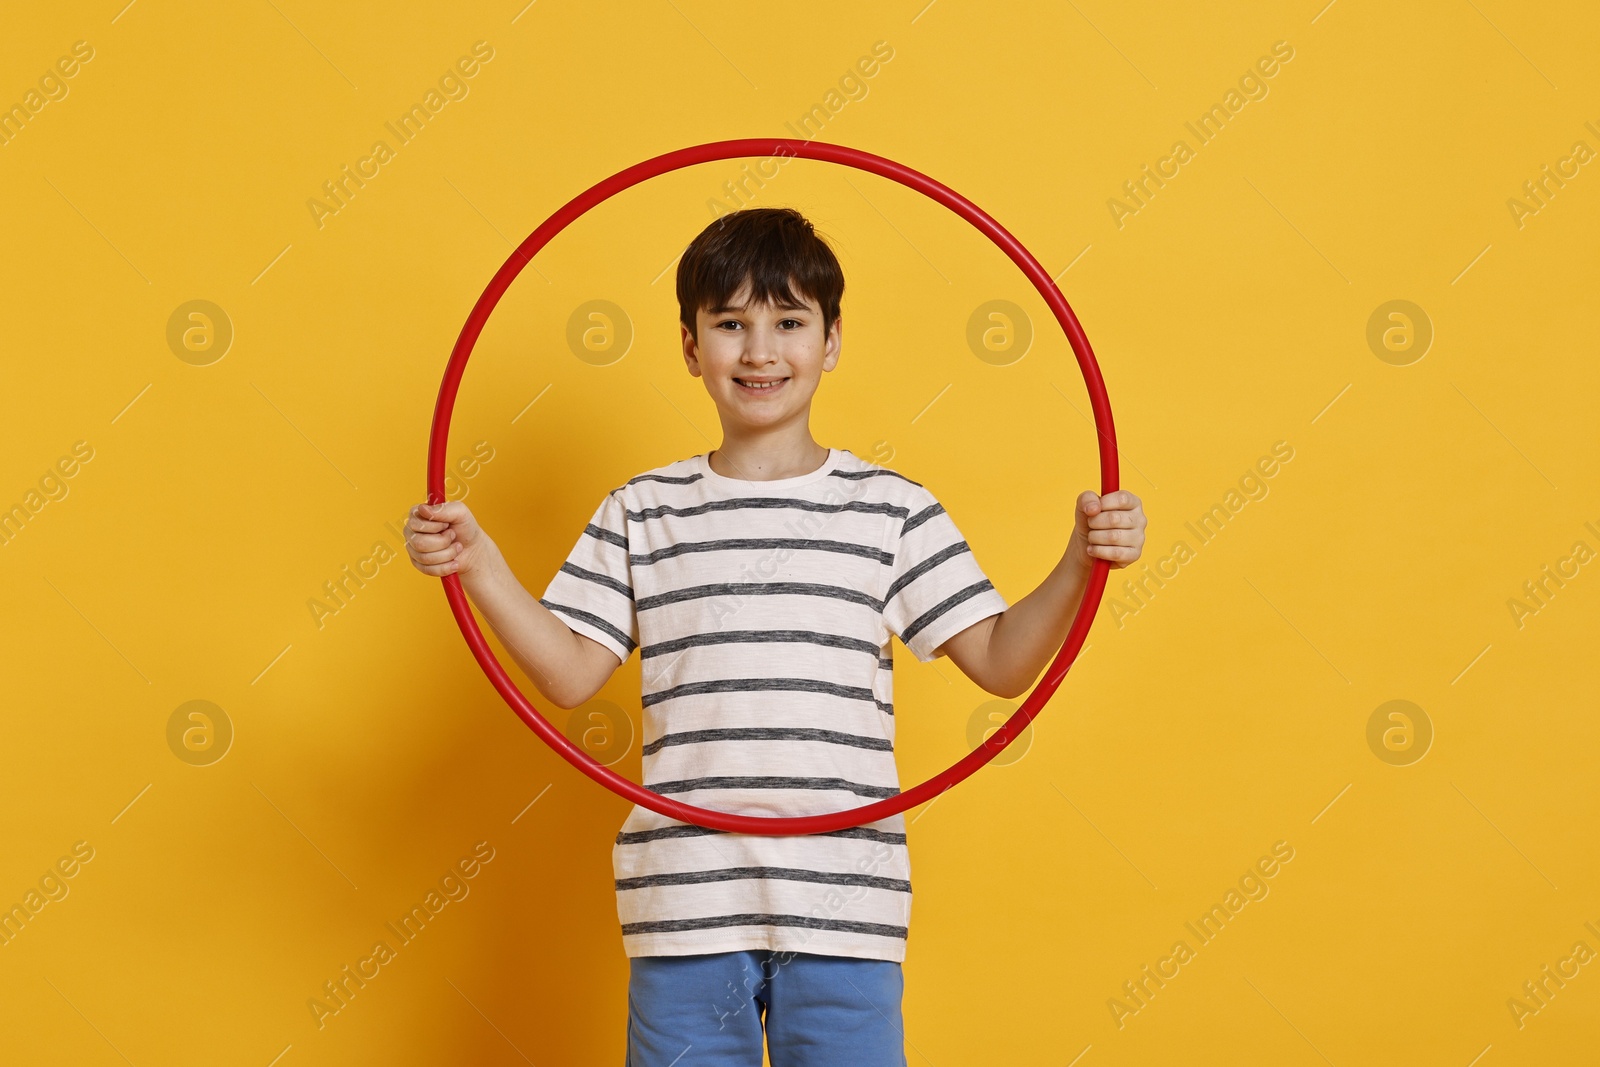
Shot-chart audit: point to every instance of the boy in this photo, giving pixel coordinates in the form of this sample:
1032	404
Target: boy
760	583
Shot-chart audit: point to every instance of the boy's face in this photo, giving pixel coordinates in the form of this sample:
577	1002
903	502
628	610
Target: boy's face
789	346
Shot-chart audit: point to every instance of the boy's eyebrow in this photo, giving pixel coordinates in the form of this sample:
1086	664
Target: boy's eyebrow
782	307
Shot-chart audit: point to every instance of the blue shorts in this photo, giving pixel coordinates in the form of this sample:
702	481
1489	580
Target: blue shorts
710	1010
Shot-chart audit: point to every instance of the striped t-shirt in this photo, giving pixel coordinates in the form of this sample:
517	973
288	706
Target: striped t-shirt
762	612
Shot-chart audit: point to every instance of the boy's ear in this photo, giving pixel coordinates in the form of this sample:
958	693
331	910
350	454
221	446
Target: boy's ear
691	356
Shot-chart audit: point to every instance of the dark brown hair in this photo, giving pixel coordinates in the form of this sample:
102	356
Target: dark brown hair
773	247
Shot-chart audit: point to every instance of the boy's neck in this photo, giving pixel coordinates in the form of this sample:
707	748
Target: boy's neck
767	457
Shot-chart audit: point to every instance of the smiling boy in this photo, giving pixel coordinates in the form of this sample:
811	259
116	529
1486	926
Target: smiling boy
762	583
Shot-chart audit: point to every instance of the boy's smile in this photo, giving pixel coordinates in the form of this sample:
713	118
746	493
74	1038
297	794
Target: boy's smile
762	363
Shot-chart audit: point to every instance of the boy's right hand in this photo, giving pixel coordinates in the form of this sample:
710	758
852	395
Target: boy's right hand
445	539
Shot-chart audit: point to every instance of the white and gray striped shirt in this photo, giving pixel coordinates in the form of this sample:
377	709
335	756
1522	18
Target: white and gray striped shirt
762	612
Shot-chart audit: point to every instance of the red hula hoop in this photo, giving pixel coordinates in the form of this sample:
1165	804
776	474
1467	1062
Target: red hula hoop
828	153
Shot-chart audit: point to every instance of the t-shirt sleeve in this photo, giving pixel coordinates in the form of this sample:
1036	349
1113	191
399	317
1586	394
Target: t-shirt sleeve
937	588
593	591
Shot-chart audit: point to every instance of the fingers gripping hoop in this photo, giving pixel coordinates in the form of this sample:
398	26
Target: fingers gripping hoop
828	153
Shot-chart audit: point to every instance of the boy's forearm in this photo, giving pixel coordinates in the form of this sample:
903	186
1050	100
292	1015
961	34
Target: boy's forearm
536	638
1027	634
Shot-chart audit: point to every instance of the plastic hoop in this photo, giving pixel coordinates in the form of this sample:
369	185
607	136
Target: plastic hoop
828	153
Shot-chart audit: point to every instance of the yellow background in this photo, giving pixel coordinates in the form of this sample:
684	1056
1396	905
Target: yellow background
1228	313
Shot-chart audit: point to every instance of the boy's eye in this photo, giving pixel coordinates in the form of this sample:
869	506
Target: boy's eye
795	323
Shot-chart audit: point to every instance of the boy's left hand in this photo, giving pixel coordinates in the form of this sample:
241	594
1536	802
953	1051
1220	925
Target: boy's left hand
1109	527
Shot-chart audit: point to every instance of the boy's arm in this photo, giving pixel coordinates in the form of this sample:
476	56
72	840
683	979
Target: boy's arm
1004	653
567	667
